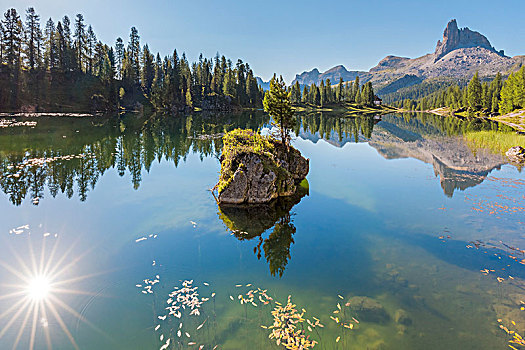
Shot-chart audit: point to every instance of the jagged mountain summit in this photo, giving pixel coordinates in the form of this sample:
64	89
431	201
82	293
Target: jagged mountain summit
315	77
460	54
455	38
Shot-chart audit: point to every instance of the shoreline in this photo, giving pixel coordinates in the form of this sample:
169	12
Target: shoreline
516	119
48	114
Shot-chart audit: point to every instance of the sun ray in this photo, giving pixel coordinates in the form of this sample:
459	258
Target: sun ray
73	292
14	318
42	258
21	330
14	306
20	275
47	266
54	273
32	257
62	324
33	329
11	295
46	328
81	278
60	261
78	316
38	292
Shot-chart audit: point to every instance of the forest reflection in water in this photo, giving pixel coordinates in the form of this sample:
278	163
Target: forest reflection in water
71	154
248	222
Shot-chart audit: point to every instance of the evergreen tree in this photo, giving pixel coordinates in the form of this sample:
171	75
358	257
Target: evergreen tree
148	70
357	91
323	97
12	40
278	105
69	56
91	42
61	47
119	56
340	90
328	91
50	58
296	93
80	40
33	38
513	92
240	71
304	98
134	55
474	93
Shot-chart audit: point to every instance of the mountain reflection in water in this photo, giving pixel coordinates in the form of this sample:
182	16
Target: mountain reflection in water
69	155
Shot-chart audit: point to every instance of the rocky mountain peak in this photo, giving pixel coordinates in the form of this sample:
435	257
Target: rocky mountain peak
455	38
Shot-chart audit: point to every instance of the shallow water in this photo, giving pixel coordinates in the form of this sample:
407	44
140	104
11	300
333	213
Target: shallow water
400	215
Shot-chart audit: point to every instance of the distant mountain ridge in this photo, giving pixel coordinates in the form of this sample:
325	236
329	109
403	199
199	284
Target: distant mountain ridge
264	84
315	77
460	54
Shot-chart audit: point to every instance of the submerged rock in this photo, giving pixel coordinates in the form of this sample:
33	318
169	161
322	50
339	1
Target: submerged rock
401	317
516	154
369	310
256	169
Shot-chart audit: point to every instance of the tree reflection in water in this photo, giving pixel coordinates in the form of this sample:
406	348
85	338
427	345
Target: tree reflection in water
247	222
69	155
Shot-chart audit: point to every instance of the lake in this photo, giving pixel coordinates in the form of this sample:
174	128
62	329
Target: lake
406	236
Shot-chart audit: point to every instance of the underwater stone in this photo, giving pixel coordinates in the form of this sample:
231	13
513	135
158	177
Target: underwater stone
402	317
369	310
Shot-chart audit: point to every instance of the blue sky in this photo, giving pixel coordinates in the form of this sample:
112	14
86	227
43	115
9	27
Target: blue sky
290	36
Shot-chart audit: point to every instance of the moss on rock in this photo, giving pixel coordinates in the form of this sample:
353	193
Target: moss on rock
257	168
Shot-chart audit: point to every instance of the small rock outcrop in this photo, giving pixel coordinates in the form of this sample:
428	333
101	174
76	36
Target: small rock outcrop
368	309
455	38
401	317
516	154
256	169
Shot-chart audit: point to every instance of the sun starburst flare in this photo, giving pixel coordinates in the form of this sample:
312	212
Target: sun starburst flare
36	300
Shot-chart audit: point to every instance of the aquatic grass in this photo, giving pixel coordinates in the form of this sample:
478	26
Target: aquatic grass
496	141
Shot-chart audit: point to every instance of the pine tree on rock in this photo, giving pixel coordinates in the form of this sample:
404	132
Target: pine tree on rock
278	105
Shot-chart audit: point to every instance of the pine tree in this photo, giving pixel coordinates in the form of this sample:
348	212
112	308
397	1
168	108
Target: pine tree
134	55
328	91
148	70
357	91
61	47
322	90
495	88
33	38
12	37
50	58
513	92
240	70
69	56
304	98
91	42
474	93
340	90
80	40
278	105
1	43
119	56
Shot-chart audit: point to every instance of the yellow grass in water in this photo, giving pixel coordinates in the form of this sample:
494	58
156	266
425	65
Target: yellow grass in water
495	140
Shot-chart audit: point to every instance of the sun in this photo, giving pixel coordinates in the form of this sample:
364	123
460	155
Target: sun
37	294
39	288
